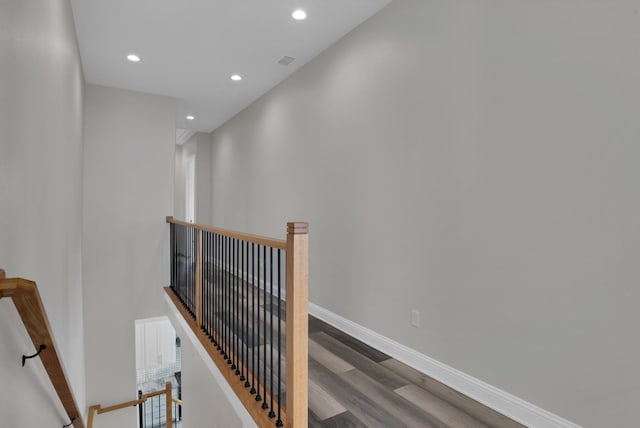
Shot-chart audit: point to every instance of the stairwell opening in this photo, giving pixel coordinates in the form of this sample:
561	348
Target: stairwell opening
158	361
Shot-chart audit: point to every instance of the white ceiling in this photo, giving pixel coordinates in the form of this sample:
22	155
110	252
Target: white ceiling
190	48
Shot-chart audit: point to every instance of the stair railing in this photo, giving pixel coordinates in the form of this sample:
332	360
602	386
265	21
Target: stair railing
28	303
140	402
246	299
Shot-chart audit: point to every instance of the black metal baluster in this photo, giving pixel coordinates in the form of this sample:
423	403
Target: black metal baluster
171	252
181	260
214	281
224	304
242	320
188	291
212	309
224	297
174	278
237	315
183	253
207	303
246	309
279	421
217	293
229	337
203	303
189	258
190	283
185	276
176	251
227	354
234	319
216	284
193	274
203	282
219	307
188	266
187	269
271	412
253	318
211	283
264	327
185	290
140	419
211	279
174	258
258	396
190	271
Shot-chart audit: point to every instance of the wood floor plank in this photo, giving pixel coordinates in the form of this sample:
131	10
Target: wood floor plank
322	403
438	408
473	408
401	409
360	347
328	358
344	420
359	404
360	362
314	420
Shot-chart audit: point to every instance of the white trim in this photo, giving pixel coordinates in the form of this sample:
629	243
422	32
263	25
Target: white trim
507	404
236	404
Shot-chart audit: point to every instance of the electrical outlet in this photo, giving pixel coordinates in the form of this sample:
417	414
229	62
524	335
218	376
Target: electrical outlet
415	318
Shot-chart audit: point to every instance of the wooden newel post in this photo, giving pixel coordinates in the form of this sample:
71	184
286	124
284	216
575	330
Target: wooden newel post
297	405
199	278
169	405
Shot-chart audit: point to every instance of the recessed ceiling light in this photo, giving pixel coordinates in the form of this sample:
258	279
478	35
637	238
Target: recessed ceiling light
236	77
133	57
299	15
190	117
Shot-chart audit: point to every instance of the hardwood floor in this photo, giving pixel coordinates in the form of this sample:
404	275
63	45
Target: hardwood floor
354	385
350	383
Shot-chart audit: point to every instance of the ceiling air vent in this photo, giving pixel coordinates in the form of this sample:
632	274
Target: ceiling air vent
286	60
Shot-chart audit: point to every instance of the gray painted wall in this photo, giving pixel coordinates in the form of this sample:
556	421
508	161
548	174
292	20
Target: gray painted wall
41	86
476	161
128	191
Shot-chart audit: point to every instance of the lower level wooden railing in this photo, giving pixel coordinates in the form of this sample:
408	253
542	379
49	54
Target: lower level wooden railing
169	400
27	301
245	298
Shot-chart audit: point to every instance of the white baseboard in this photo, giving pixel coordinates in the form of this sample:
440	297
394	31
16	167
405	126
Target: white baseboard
509	405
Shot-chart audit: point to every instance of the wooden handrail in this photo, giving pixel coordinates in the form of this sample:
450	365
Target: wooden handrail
98	409
28	303
261	240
